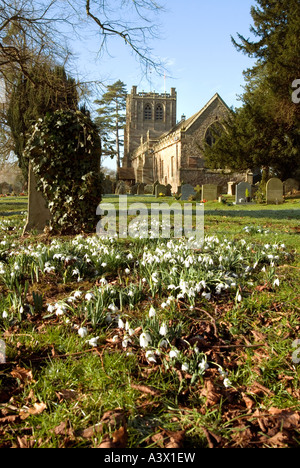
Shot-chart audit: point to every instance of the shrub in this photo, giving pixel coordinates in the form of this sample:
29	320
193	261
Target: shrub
65	151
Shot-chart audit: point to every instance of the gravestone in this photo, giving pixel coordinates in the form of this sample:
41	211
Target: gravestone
231	188
187	190
133	189
210	192
140	189
169	190
274	191
148	190
5	188
38	213
121	188
240	192
290	186
160	189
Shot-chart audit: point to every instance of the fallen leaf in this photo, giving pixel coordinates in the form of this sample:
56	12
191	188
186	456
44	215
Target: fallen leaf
118	440
145	389
212	396
37	408
24	375
109	419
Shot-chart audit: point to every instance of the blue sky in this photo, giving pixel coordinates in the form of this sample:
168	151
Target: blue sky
195	42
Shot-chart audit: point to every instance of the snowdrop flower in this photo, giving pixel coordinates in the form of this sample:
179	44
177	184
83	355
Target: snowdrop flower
152	312
113	308
50	308
59	311
203	365
163	329
276	282
89	296
145	340
127	271
174	353
104	264
125	341
77	294
163	305
163	344
150	356
206	295
82	332
227	383
103	281
121	323
239	297
185	367
4	314
93	341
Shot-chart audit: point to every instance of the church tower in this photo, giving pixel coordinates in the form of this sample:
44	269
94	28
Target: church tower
148	116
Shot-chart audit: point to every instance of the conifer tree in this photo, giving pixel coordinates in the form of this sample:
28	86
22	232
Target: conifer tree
111	120
265	131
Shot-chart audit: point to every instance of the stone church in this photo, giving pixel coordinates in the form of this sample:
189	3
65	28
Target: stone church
157	147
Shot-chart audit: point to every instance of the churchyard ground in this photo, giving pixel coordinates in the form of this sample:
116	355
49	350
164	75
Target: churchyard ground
145	343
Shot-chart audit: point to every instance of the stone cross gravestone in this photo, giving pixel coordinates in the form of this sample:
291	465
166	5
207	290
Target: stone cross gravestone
210	192
187	190
240	192
274	191
38	213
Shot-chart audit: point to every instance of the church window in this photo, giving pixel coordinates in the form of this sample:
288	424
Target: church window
209	137
147	112
159	112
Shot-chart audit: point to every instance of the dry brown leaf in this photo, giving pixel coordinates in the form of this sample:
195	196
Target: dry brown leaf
280	439
109	419
26	442
24	375
118	440
37	408
145	389
176	440
209	391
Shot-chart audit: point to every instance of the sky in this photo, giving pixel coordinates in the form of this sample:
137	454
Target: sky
195	43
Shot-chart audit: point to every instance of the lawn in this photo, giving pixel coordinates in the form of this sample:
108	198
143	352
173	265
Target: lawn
149	343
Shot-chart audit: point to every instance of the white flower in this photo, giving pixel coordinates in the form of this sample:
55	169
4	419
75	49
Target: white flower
127	271
185	367
276	282
89	296
77	294
163	329
121	323
163	305
50	308
163	344
82	332
93	341
227	383
125	341
150	356
4	314
152	312
203	365
206	295
238	297
174	353
145	340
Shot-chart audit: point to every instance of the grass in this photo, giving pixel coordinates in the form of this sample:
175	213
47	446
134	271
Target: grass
234	381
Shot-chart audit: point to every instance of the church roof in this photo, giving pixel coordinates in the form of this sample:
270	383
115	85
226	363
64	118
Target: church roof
187	123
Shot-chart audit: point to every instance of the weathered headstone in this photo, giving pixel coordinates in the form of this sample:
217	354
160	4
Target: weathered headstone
169	190
241	192
121	188
148	190
290	186
274	191
160	190
187	190
133	189
38	213
140	189
210	192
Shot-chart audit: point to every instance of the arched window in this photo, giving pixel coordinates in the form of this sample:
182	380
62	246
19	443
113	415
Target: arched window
147	112
209	137
159	112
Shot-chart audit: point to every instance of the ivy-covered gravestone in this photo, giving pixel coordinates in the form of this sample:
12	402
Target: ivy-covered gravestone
64	151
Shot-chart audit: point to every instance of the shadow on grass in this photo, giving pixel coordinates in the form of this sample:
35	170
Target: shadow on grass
273	214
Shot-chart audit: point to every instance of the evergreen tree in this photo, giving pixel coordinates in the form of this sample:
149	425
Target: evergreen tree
265	131
111	120
43	89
